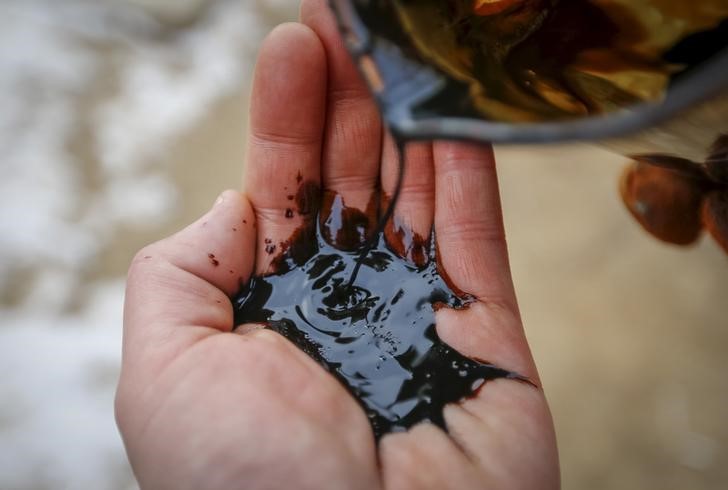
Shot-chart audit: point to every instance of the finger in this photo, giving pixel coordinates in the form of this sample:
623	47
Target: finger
716	165
504	429
425	458
178	290
666	203
352	147
408	232
472	255
715	216
469	222
286	125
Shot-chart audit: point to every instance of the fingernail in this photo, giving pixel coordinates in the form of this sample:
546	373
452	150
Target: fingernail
220	199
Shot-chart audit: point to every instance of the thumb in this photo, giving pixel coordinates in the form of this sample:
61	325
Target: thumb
178	289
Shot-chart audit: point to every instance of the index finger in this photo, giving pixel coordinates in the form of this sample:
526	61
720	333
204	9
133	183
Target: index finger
287	114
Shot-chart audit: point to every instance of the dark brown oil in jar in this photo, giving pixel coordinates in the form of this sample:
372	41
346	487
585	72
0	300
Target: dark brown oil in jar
540	60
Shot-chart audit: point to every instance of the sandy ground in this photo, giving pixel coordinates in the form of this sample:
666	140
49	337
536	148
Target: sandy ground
630	334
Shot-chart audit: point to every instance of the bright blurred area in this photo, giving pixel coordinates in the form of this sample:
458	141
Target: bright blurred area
122	120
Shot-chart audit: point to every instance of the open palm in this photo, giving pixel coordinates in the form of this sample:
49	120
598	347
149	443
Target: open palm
202	407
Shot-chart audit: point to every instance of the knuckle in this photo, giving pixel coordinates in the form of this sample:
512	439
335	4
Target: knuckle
345	98
279	140
140	258
150	265
472	231
351	181
142	254
420	190
466	158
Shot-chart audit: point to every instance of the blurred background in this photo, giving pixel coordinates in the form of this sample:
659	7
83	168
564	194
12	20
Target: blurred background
121	121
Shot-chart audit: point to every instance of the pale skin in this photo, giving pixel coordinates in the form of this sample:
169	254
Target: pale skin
201	406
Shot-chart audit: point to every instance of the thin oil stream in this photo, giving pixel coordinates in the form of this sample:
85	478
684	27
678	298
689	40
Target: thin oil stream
388	213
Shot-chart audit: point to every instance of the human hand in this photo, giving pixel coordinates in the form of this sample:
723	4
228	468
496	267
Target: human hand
202	407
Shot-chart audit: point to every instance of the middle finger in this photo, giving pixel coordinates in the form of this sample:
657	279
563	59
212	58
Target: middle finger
352	136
